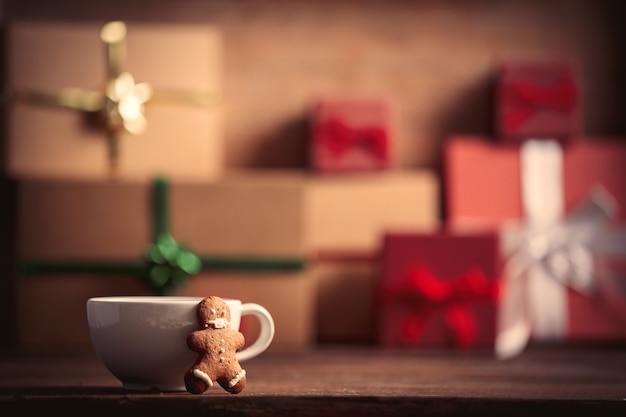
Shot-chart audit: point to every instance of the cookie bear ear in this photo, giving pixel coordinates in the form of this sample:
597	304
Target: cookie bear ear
225	311
202	308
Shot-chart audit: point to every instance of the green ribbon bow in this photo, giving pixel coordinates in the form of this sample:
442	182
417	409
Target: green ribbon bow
169	264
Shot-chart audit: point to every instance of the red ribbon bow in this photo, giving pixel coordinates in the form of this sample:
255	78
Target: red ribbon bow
523	99
338	137
422	293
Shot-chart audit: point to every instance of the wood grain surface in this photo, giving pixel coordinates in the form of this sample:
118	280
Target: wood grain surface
342	381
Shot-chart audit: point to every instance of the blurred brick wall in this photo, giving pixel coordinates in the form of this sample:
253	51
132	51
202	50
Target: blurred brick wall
432	59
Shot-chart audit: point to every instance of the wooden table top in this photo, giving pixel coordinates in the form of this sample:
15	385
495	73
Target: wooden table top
340	382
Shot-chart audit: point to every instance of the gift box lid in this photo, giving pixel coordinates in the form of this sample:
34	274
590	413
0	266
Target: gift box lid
445	253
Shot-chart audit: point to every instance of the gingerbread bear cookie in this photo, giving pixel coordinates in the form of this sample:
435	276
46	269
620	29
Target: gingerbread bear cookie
216	345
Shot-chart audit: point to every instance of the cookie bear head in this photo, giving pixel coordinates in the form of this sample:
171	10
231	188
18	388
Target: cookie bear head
214	312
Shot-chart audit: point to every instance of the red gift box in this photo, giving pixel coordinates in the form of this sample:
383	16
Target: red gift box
482	183
350	135
438	290
579	249
537	100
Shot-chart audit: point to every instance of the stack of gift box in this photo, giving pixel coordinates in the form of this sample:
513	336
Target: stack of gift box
533	245
356	193
116	144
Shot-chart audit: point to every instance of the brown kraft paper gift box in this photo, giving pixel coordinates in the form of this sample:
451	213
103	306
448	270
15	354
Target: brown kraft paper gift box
183	139
109	223
349	216
351	211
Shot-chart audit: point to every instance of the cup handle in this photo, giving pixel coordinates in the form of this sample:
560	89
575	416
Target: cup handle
266	334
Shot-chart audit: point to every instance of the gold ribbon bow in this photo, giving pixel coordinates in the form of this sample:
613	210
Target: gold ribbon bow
121	104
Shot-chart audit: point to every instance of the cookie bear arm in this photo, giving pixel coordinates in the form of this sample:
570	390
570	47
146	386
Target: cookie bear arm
196	341
240	340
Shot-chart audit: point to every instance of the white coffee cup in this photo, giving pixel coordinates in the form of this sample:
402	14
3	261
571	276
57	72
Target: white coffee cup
142	340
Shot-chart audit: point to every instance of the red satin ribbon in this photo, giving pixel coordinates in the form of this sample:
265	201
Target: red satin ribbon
523	99
338	138
422	294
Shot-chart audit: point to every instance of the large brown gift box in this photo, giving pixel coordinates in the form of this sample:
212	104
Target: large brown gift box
349	215
352	211
109	223
183	137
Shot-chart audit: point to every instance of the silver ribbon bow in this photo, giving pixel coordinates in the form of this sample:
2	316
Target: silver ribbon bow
549	253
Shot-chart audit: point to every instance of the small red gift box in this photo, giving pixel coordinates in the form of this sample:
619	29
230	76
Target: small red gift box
438	290
350	135
564	248
537	100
